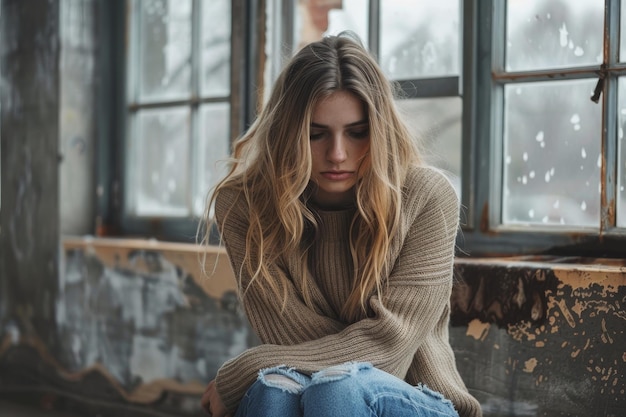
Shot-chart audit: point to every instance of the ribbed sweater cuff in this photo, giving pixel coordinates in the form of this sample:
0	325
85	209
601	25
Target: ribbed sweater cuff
233	380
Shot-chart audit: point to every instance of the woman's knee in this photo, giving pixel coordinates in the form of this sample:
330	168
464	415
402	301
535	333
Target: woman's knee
340	386
275	392
360	386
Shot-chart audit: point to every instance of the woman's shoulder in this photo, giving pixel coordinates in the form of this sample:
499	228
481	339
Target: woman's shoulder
423	178
428	185
229	200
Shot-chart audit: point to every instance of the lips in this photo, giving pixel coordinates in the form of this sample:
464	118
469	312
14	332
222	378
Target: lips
337	175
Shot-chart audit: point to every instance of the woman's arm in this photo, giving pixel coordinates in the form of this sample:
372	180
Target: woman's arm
418	291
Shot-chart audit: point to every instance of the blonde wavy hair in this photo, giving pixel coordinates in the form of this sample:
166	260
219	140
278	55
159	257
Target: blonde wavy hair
271	168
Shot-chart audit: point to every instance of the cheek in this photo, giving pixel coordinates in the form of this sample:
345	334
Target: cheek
315	155
364	157
363	151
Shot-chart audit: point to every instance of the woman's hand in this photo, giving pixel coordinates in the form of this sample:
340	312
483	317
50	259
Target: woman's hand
212	403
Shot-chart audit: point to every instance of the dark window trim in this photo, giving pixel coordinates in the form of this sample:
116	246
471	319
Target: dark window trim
482	34
112	219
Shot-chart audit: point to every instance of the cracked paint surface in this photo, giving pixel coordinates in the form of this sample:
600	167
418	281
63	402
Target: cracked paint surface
550	336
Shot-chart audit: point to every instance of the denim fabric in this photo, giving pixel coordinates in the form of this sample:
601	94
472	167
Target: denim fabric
352	389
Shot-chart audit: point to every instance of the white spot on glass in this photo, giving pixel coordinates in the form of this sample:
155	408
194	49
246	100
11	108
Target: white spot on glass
531	174
579	51
525	156
583	206
531	213
171	185
563	35
583	153
539	137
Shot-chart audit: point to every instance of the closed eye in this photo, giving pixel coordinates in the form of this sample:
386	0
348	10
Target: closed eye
316	135
359	134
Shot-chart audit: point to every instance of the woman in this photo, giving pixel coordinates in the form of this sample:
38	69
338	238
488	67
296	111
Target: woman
343	245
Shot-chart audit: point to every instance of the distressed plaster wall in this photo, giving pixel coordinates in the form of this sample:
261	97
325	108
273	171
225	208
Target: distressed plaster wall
542	337
140	325
29	121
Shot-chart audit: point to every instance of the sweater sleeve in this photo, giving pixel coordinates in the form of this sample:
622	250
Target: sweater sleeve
418	291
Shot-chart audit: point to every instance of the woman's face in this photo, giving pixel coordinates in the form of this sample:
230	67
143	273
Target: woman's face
340	140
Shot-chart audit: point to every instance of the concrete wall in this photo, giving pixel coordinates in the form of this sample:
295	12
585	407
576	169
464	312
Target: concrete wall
29	123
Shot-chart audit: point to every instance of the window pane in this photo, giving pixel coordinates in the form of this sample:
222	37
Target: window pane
213	149
553	34
159	168
552	154
216	22
436	123
315	18
621	156
420	39
165	70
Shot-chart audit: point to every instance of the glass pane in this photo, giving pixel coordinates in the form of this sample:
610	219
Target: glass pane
553	34
621	156
436	123
215	71
165	70
420	39
316	18
160	170
552	154
213	149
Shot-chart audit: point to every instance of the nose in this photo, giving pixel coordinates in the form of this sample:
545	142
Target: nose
336	152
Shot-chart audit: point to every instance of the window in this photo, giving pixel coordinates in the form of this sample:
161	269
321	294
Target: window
548	147
178	111
499	93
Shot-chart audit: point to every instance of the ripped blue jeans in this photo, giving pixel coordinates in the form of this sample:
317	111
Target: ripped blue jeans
352	389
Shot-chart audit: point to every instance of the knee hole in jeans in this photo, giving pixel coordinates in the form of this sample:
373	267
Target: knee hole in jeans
283	382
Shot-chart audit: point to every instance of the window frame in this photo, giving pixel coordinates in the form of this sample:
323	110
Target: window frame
114	218
484	80
481	75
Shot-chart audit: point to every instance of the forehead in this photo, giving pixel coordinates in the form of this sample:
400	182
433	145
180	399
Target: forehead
340	107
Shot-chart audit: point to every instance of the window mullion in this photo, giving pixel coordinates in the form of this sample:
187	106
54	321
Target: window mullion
132	96
608	187
491	160
374	28
468	90
196	85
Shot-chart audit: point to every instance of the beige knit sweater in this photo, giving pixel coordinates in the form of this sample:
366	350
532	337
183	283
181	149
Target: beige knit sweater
406	334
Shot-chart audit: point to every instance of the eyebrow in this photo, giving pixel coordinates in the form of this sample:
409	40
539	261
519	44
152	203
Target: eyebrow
353	124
